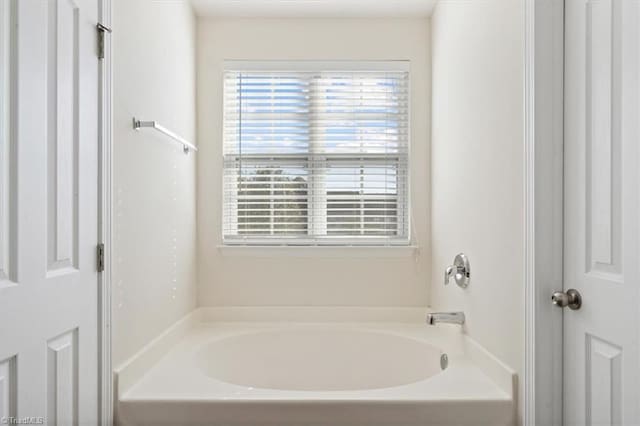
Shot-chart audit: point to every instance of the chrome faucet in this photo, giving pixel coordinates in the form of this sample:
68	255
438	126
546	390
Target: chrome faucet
445	317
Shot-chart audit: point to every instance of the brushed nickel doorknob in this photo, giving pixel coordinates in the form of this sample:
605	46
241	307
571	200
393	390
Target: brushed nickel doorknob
571	298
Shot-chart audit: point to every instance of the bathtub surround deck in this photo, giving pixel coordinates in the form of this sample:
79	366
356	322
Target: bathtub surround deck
172	380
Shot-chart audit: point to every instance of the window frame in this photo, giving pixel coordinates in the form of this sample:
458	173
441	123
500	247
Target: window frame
333	240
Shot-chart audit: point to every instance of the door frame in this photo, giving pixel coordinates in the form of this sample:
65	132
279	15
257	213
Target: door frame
105	129
543	206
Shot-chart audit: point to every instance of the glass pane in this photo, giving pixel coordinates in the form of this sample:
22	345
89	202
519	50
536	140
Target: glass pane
362	200
272	200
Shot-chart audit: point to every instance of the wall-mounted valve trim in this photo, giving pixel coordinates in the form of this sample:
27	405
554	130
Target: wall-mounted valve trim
460	271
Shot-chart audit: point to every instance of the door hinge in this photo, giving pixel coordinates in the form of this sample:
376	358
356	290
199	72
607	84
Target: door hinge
100	257
101	32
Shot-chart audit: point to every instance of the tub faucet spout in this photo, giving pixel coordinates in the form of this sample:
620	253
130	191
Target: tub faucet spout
445	317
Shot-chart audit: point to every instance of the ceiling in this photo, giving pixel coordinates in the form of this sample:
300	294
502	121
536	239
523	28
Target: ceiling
314	8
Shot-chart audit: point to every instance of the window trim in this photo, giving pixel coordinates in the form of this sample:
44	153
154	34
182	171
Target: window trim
335	251
350	243
306	65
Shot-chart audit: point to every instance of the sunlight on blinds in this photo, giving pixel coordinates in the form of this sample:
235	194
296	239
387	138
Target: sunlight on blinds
316	157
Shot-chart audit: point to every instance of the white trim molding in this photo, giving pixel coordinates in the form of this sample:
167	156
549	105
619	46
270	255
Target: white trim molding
378	252
313	66
529	203
543	161
106	376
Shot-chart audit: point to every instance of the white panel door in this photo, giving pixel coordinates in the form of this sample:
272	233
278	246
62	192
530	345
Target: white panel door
602	220
48	211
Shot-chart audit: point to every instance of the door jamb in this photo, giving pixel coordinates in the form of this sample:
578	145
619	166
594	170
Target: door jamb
544	108
105	372
544	67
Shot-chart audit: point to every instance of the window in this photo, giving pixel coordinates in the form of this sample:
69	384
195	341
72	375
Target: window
316	153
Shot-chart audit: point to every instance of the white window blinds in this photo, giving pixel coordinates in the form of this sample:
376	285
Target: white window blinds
316	157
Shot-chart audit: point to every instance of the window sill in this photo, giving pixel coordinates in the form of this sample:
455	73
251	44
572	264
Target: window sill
320	251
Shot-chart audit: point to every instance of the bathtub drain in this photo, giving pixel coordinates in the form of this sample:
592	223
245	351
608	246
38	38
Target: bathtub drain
444	361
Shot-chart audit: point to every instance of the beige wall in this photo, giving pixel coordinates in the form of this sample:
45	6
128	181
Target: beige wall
477	168
154	272
229	279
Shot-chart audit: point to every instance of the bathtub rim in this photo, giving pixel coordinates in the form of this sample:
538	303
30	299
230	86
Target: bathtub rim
127	374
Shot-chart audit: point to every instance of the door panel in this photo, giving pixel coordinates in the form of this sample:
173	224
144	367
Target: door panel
62	136
7	159
601	359
48	210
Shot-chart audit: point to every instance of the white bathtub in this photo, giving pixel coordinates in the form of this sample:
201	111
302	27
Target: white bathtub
216	368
